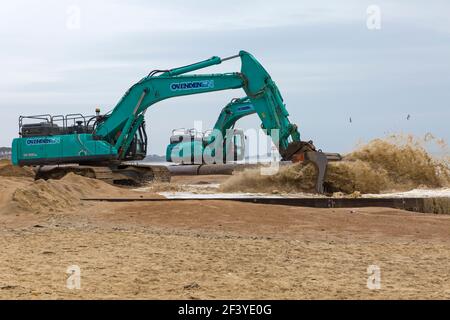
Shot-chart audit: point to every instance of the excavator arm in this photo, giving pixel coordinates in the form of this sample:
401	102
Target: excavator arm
261	92
231	113
120	125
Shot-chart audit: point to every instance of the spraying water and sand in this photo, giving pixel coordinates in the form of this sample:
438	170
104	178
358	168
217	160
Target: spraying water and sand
380	166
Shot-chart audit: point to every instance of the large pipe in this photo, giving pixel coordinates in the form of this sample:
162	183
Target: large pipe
206	169
193	170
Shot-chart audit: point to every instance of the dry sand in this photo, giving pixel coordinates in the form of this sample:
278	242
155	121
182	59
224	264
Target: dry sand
8	170
222	250
210	249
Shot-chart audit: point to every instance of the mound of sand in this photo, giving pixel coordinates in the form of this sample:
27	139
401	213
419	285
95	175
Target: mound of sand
56	195
8	170
379	166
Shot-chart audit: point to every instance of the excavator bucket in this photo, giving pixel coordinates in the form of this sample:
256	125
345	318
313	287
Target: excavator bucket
320	161
301	151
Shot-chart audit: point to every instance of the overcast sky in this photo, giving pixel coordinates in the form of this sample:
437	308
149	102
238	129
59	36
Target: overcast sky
327	63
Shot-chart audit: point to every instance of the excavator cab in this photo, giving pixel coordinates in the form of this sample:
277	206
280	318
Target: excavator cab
138	146
188	146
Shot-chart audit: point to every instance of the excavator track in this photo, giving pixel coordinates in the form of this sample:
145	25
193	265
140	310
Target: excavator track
132	175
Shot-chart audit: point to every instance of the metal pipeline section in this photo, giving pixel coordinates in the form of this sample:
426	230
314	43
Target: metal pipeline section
205	169
228	168
220	169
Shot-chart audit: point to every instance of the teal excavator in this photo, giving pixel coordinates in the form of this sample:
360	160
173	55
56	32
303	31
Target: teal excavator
193	147
101	146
